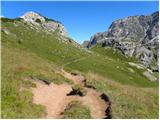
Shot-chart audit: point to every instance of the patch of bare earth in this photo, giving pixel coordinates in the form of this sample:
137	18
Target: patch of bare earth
54	97
77	79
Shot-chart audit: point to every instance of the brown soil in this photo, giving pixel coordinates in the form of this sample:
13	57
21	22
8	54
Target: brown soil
54	97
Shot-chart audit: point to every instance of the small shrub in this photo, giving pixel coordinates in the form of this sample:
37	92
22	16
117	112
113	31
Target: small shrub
38	20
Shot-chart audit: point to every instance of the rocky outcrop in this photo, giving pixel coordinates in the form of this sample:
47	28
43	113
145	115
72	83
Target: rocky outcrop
47	24
85	43
39	23
136	36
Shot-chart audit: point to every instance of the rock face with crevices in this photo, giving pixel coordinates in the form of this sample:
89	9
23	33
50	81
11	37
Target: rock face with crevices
136	36
47	24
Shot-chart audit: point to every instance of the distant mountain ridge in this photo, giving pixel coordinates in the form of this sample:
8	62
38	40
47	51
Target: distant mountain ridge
136	36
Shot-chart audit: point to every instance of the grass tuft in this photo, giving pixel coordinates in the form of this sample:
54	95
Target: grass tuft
75	110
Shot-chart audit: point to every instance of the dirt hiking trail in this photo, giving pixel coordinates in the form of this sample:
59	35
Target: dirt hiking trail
54	97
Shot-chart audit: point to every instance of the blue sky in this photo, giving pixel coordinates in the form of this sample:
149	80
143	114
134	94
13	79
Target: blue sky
81	19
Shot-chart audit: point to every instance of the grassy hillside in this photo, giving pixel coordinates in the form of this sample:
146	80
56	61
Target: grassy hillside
111	64
17	65
127	101
27	52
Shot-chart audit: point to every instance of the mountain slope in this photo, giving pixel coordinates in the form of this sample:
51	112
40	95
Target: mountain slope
32	51
134	36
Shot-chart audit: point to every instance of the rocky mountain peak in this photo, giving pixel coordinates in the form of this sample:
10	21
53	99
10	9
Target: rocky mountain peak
47	24
136	36
33	17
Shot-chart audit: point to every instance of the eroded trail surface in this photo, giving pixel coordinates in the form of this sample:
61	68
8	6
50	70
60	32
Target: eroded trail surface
54	97
76	78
